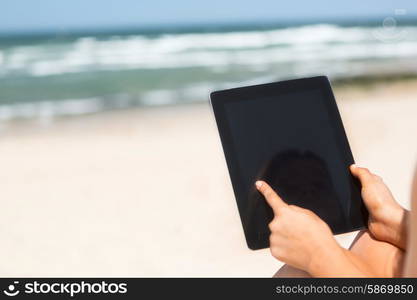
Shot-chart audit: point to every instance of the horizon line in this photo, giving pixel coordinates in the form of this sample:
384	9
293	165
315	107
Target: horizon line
211	26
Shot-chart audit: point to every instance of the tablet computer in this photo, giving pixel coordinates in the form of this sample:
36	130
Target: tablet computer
289	134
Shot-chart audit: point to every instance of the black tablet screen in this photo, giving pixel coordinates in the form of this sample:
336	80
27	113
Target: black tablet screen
291	141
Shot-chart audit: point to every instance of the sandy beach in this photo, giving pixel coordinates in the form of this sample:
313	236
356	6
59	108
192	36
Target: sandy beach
146	192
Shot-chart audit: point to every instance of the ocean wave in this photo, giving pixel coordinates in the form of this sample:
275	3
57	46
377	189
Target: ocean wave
316	42
46	110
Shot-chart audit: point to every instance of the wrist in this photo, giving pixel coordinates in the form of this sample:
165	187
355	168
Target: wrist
399	227
390	225
322	255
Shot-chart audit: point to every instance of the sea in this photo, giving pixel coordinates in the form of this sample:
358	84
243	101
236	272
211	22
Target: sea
51	74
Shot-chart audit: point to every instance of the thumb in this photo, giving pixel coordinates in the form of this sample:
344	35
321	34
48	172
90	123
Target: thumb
271	197
363	174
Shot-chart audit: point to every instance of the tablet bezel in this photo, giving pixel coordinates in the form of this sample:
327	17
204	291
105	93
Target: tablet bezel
220	98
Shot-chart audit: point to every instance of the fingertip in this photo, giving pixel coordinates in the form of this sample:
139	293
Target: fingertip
357	169
354	170
258	184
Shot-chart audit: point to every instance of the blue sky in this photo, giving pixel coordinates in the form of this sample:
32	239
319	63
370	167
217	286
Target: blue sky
33	15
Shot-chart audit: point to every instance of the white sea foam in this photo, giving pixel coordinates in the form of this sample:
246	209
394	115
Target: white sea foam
45	110
76	62
159	97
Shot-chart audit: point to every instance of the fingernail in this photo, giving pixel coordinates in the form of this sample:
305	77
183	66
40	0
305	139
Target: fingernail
258	184
353	166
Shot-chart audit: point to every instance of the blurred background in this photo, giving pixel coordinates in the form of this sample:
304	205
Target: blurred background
110	161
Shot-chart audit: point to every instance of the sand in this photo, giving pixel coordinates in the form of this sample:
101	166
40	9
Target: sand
146	192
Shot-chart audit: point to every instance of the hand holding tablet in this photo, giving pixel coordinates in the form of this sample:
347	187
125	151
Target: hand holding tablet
290	135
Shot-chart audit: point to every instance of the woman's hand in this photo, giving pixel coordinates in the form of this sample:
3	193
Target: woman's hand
298	236
387	219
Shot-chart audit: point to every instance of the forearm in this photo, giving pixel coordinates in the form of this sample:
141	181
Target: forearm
338	263
411	260
410	267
